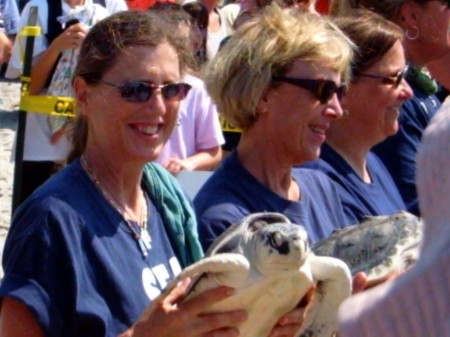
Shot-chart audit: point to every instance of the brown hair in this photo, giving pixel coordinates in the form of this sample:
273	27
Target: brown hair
103	46
387	8
372	34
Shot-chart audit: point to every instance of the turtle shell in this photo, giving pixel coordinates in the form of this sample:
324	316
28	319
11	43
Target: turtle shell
378	246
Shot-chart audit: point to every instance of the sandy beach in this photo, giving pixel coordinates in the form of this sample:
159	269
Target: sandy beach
9	105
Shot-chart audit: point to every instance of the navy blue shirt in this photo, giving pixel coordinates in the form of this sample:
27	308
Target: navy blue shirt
360	199
398	152
72	260
232	193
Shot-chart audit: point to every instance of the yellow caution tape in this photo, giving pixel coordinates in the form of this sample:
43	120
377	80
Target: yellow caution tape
31	31
50	105
227	126
25	87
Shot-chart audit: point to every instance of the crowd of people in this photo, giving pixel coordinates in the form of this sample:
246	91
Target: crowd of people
341	116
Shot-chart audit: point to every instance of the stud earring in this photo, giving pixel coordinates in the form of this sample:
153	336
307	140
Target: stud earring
345	113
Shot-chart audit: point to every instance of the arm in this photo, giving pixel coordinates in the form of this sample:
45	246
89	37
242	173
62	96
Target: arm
203	160
17	321
5	48
71	38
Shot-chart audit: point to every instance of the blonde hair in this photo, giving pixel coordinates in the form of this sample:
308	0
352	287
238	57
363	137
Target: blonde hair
267	46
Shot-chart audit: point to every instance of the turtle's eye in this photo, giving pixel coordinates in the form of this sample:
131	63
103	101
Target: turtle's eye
277	242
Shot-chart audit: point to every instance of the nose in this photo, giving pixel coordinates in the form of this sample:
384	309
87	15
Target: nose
406	91
156	104
333	108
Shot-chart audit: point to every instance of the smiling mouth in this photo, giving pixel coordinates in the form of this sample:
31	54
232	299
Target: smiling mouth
319	130
394	109
147	130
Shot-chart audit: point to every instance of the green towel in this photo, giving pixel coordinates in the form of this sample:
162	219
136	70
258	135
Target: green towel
176	212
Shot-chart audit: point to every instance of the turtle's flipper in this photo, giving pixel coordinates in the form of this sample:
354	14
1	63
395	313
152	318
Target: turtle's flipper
219	270
333	285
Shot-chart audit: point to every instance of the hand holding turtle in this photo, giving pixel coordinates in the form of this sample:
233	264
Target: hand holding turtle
167	317
290	324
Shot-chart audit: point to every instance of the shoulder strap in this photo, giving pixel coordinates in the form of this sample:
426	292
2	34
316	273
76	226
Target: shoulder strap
54	27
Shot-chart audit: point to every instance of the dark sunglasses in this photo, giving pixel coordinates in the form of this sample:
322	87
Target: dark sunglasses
322	89
395	79
136	91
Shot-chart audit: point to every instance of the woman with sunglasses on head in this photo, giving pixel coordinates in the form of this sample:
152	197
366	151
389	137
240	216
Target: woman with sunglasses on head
371	106
279	78
425	24
95	245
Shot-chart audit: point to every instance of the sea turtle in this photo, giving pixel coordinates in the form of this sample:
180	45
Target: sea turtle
378	246
268	260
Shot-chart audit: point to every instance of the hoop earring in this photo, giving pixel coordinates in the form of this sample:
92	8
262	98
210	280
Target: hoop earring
408	35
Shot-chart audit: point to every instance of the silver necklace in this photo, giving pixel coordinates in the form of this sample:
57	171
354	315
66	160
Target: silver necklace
142	236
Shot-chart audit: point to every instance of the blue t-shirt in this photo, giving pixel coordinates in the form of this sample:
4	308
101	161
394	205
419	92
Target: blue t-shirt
398	152
232	193
360	199
73	261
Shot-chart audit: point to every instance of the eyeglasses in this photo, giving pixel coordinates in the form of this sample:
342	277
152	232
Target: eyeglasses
395	79
322	89
136	91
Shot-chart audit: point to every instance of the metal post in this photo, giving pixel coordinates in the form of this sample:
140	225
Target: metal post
21	125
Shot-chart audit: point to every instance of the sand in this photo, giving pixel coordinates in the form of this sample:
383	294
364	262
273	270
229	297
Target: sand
9	105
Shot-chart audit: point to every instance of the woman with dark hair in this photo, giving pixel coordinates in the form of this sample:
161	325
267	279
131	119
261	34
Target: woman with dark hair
96	244
426	27
200	18
372	104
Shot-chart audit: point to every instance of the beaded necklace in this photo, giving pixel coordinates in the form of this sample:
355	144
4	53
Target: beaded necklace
142	236
421	78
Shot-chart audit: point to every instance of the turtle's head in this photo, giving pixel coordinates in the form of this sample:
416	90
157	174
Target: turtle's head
278	247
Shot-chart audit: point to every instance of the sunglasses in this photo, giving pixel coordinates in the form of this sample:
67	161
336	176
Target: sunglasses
136	91
322	89
395	80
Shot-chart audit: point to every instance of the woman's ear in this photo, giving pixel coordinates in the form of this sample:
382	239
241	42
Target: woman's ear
262	105
80	90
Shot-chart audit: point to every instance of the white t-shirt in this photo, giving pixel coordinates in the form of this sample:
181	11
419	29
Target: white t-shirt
198	126
9	13
37	146
227	16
